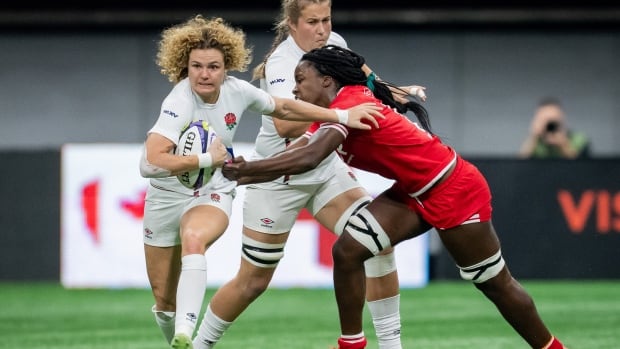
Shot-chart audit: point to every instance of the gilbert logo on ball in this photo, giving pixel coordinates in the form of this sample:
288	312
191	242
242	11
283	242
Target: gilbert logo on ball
195	139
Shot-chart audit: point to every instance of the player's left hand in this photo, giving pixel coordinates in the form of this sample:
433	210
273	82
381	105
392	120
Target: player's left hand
368	112
218	152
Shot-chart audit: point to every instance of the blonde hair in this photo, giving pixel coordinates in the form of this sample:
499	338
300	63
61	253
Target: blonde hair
199	33
290	11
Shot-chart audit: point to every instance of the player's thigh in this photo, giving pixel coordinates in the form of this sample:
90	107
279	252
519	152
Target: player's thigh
162	215
204	223
264	237
336	197
340	205
163	267
470	243
396	218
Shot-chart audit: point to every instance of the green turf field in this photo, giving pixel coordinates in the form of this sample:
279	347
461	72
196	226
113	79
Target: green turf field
441	315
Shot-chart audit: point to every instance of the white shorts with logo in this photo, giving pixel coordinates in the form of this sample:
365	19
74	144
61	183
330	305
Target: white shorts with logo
273	208
163	211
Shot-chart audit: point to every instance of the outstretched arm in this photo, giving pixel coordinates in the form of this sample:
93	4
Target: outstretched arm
361	116
293	161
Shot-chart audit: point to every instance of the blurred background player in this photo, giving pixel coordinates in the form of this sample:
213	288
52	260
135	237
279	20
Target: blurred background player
181	223
550	137
434	187
330	193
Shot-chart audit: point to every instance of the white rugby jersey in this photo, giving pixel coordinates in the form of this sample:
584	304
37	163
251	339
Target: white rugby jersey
182	106
279	81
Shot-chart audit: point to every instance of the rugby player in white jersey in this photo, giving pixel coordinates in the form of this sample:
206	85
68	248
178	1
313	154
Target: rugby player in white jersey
180	223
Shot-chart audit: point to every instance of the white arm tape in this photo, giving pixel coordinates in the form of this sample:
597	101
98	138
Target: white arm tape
205	160
343	116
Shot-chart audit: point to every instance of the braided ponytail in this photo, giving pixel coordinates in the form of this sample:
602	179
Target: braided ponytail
345	67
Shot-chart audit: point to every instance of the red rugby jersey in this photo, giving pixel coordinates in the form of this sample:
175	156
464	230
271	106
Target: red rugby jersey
399	149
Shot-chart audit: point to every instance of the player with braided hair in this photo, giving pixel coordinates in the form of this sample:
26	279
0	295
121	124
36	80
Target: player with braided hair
330	62
330	193
434	187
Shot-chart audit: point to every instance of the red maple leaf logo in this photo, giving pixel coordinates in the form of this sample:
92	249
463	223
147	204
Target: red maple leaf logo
90	206
135	207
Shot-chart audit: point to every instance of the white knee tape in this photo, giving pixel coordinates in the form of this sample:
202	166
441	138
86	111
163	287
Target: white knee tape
380	265
353	209
364	228
261	254
484	270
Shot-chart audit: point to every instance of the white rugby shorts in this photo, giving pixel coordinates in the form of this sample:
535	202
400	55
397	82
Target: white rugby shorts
163	211
273	208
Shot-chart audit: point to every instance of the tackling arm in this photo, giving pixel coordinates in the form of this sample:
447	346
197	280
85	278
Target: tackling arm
296	160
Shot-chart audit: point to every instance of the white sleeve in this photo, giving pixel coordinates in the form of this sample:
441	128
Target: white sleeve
280	76
258	100
280	70
173	116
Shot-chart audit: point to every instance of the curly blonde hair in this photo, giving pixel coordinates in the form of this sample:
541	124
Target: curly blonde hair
199	33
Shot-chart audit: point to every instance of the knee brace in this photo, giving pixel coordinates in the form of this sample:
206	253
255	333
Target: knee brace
353	209
483	271
380	265
364	228
261	254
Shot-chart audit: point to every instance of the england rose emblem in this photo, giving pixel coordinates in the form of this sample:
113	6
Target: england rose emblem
231	120
215	197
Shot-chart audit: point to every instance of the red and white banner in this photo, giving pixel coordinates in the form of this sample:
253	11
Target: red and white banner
102	205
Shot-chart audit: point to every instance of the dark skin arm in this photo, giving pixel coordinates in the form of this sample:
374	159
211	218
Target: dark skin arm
295	160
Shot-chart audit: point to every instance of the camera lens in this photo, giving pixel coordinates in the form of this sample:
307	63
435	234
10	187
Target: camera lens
552	126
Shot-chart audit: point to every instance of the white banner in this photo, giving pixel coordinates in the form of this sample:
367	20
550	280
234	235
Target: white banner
102	205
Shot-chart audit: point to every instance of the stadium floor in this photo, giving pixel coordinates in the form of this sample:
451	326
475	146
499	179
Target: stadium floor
583	314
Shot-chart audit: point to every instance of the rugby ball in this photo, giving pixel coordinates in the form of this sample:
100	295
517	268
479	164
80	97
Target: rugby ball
195	139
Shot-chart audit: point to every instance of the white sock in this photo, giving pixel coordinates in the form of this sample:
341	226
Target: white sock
190	293
165	321
386	319
210	331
